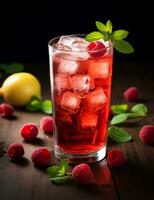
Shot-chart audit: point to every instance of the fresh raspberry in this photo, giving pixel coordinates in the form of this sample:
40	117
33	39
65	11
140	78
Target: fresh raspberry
115	158
96	49
15	151
110	113
146	134
41	156
131	94
82	174
47	124
29	131
6	110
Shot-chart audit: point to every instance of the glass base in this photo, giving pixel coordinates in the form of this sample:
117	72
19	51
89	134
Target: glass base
80	158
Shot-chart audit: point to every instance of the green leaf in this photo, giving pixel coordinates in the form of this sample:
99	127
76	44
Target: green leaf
3	66
120	108
119	34
101	27
123	46
46	106
118	134
34	104
58	170
109	26
119	118
140	109
60	179
14	68
93	36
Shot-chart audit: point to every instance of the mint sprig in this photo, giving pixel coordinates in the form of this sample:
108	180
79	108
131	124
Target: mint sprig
36	104
105	31
137	111
59	173
118	135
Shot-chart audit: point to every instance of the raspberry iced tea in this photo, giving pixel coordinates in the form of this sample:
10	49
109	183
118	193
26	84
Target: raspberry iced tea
80	74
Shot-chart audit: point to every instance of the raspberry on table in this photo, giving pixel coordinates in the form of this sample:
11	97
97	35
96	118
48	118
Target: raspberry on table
15	151
146	134
47	124
6	110
82	174
115	158
131	94
41	156
29	131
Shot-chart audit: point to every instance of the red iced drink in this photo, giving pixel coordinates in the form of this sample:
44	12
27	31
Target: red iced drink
81	87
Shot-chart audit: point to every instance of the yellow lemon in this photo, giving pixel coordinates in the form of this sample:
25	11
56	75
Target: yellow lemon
19	88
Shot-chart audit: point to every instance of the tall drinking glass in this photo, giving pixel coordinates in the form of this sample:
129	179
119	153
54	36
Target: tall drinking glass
80	88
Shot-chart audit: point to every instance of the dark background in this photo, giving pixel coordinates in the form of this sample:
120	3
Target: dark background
26	27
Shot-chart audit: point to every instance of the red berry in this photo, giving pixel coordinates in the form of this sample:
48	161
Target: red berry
115	158
146	134
96	49
15	151
47	124
131	94
6	110
82	174
29	131
41	156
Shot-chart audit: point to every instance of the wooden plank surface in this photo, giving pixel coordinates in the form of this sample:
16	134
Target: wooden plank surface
25	182
134	180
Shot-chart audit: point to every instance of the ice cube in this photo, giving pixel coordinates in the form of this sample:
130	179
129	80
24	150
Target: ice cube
95	100
70	102
67	67
62	83
61	47
68	40
88	121
82	83
99	68
64	118
80	45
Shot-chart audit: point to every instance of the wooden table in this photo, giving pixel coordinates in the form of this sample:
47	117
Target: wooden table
135	180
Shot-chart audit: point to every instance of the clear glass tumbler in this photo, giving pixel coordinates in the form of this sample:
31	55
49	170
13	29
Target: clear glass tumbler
80	88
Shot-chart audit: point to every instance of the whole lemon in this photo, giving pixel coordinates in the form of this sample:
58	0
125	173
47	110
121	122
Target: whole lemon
19	88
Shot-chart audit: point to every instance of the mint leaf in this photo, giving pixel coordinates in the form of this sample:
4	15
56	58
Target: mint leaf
3	66
118	134
58	173
55	171
46	106
64	165
119	34
60	179
34	104
124	116
140	109
123	46
58	170
120	108
93	36
119	119
101	27
14	68
109	26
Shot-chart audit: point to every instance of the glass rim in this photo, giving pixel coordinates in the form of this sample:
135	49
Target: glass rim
55	39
